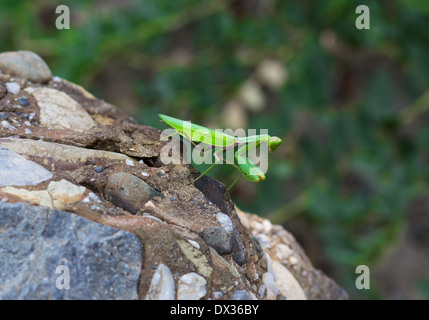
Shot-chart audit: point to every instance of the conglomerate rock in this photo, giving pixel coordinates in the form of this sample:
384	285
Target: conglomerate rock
69	157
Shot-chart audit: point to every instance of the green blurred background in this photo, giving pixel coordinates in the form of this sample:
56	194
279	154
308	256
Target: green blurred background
352	106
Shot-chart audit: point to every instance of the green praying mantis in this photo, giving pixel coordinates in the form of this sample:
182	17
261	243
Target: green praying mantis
222	142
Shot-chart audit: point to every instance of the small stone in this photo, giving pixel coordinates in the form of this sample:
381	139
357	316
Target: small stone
27	123
23	101
5	124
225	222
160	172
218	239
128	192
145	174
162	285
25	64
129	162
238	249
59	111
288	285
13	87
15	169
98	169
217	294
243	295
64	192
194	243
191	286
28	131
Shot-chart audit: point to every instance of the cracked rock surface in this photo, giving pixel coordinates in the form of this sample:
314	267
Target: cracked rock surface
80	187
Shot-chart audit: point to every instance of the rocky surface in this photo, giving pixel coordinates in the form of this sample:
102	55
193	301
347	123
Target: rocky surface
78	166
35	242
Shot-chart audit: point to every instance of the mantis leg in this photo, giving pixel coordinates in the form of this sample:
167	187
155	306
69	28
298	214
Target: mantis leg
236	180
217	159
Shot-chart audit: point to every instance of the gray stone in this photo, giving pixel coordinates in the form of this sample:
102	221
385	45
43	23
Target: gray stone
128	192
25	64
36	242
243	295
219	239
15	170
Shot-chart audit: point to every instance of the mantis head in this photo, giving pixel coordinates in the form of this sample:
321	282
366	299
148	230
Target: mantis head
273	143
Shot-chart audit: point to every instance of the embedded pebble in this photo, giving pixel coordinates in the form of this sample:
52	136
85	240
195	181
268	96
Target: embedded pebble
23	101
225	222
28	131
243	295
218	294
219	239
160	172
261	291
191	286
288	285
6	124
98	169
15	170
128	192
145	174
269	280
59	111
238	249
148	215
129	162
162	285
12	87
194	243
264	240
27	123
25	64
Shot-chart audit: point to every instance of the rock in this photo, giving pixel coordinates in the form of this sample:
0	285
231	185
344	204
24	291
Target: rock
60	111
219	239
162	285
282	249
287	284
191	286
64	192
57	195
57	153
243	295
23	101
36	242
25	64
238	249
12	87
225	222
15	170
197	244
128	192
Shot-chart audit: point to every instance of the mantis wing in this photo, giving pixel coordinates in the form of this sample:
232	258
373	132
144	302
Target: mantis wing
198	133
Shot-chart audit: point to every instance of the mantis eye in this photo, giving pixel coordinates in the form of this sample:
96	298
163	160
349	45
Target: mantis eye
273	143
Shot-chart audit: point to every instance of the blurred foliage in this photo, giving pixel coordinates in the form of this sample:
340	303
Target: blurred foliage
352	110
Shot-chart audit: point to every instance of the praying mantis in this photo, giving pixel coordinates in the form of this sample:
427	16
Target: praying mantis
222	142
